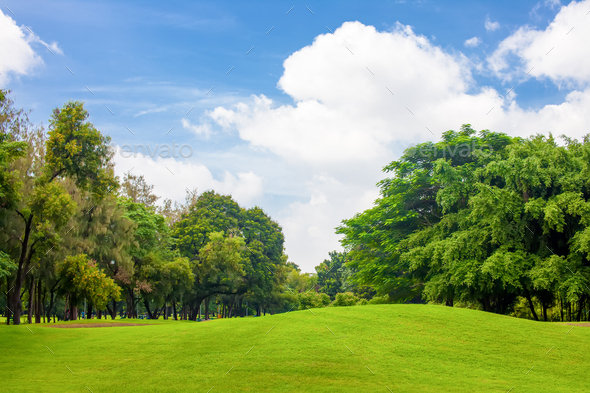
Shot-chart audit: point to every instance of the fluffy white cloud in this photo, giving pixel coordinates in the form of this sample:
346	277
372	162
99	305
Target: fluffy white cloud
198	129
360	96
18	57
472	42
491	26
560	52
171	178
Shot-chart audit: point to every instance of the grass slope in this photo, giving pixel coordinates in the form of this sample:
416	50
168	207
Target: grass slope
403	348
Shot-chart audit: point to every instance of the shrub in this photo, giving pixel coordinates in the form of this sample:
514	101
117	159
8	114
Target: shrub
345	299
313	300
380	300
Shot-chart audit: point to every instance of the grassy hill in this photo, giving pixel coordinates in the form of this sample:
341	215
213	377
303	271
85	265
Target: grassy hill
397	348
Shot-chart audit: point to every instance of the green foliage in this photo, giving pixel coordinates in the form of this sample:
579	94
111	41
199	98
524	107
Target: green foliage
508	221
312	299
7	265
10	150
332	274
75	148
345	299
262	269
82	279
222	260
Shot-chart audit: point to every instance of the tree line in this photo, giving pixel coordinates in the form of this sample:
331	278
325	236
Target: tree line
483	220
73	234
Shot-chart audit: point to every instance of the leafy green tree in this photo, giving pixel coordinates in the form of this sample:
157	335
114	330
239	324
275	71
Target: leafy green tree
210	213
219	268
10	150
150	235
74	149
332	274
408	204
511	223
266	273
81	278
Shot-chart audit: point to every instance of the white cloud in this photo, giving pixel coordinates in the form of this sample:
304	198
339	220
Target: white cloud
172	177
491	26
345	124
558	52
199	129
551	4
472	42
18	56
155	109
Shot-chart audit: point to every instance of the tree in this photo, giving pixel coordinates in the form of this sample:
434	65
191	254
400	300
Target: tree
81	278
150	233
10	150
408	203
510	223
138	190
219	268
332	274
74	149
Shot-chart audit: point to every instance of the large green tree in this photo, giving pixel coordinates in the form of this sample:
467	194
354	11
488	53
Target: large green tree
73	149
488	225
408	203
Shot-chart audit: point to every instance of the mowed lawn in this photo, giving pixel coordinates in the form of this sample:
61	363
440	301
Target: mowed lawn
381	348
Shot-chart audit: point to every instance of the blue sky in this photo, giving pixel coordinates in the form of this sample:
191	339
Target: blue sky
259	133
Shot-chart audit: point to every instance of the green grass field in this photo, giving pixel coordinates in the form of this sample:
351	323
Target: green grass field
381	348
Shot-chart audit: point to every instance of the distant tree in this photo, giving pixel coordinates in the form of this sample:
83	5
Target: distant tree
332	274
82	279
138	190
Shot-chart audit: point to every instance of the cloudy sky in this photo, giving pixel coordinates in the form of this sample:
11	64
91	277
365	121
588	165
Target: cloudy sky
296	107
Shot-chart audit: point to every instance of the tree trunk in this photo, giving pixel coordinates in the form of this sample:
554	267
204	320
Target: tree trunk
74	312
174	310
23	263
67	308
114	312
147	307
31	301
580	307
207	309
544	305
561	308
531	305
38	305
43	309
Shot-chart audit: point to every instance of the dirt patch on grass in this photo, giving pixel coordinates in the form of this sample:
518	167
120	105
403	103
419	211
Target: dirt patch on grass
95	325
585	324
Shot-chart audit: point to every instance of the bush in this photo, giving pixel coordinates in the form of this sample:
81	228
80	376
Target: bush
313	300
362	302
380	300
345	299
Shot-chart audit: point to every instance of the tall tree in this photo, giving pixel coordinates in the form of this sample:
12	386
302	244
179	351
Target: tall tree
408	203
74	149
